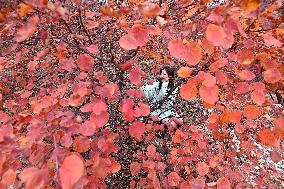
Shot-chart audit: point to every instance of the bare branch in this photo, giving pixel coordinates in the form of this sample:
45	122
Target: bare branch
83	26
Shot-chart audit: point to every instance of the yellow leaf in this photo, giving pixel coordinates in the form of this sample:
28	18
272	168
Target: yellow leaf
24	9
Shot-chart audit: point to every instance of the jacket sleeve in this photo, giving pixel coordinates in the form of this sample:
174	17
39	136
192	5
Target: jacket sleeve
150	90
147	90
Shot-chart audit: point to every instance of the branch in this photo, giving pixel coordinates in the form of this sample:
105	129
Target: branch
83	26
56	158
263	30
77	43
195	14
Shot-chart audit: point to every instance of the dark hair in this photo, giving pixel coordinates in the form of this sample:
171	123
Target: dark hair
171	73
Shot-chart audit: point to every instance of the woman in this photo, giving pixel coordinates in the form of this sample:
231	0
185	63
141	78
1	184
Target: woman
158	92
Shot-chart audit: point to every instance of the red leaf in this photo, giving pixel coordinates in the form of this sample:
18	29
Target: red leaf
270	40
149	9
127	110
135	168
176	48
218	64
8	177
223	183
145	109
67	64
209	95
137	130
242	87
28	30
126	66
214	17
85	62
100	120
279	126
93	49
127	42
88	128
246	75
191	52
173	179
99	106
275	156
71	171
66	140
151	151
34	177
81	144
258	97
197	183
135	76
202	168
138	36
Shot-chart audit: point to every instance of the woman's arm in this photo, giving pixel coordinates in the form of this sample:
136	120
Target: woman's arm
149	90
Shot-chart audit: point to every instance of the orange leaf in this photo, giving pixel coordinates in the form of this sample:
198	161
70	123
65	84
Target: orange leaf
252	112
221	77
24	9
193	53
188	91
184	72
149	9
71	171
209	95
269	138
250	5
279	126
272	75
246	75
245	56
215	34
209	80
127	42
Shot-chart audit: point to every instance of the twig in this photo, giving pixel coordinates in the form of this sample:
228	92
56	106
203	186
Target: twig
190	17
56	158
83	26
77	45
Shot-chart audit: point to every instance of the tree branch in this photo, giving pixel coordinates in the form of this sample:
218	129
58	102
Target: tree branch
83	26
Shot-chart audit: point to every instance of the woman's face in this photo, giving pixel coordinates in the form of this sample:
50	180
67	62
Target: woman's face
164	76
